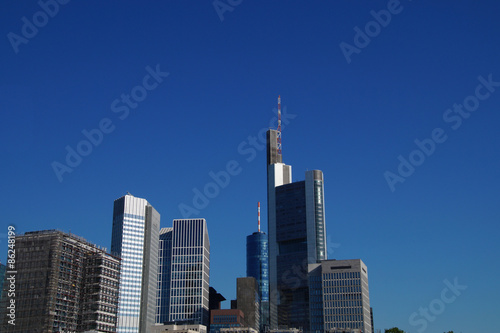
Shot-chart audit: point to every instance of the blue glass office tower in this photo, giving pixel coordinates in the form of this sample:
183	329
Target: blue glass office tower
134	239
296	237
164	273
258	268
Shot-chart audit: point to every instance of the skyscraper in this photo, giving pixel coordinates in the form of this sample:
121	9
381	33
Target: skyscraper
164	275
247	297
135	238
277	175
258	268
340	299
190	277
296	235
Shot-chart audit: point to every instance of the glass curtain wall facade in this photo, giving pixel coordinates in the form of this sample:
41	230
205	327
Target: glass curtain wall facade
291	261
135	237
258	268
189	296
164	272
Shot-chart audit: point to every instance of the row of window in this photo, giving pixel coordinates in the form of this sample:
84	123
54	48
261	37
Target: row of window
343	295
343	275
342	282
217	319
343	322
341	311
339	290
343	304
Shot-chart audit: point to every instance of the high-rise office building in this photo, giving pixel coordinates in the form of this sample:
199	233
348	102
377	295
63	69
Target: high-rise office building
247	296
296	236
164	275
258	268
190	276
64	284
340	299
135	238
278	174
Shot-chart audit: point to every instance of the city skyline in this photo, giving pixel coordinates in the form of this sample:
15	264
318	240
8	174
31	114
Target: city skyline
410	173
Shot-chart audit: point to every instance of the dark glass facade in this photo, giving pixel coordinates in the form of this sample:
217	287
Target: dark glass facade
164	271
258	268
291	236
316	300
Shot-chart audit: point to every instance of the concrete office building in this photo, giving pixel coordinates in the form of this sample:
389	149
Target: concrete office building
190	272
296	237
64	284
135	238
340	300
99	301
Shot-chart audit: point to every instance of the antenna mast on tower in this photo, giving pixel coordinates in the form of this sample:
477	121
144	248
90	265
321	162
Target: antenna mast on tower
259	214
278	136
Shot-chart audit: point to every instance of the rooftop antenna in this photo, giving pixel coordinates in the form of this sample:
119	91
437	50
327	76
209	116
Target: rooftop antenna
278	134
258	205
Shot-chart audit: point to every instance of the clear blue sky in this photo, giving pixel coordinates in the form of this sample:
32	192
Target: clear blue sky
352	121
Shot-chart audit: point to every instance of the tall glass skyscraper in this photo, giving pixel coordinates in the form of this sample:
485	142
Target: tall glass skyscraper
258	268
189	294
296	237
164	274
134	239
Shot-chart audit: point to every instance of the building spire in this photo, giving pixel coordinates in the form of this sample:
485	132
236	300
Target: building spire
258	205
278	136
